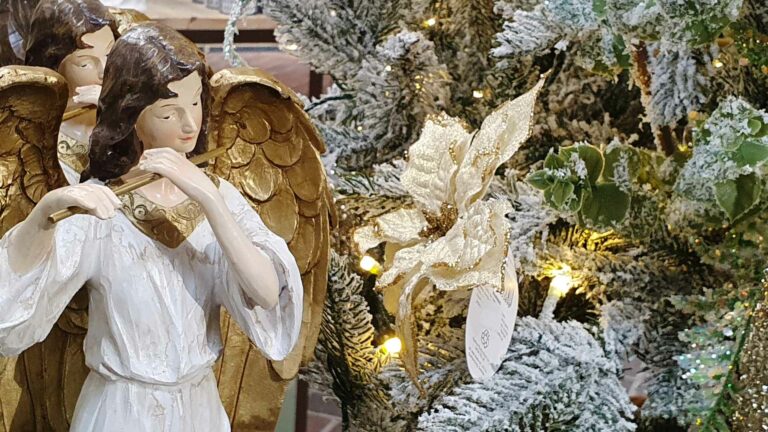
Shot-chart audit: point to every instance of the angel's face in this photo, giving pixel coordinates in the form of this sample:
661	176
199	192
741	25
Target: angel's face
86	66
174	122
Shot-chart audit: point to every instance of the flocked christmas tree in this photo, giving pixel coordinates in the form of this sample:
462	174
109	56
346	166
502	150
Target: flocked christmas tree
634	209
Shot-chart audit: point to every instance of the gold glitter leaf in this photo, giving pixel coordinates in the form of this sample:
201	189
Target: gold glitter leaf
433	161
499	137
401	226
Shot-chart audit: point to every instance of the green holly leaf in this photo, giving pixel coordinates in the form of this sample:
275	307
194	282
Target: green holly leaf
751	153
560	195
540	180
612	157
606	206
591	156
707	28
553	161
598	7
763	131
737	196
735	144
755	125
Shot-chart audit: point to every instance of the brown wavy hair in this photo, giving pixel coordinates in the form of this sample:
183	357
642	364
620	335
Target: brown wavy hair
57	27
144	60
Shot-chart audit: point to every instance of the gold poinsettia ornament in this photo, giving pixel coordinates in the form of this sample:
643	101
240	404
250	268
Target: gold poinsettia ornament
451	239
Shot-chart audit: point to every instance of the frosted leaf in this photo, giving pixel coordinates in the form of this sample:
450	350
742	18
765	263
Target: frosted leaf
499	137
677	85
402	227
433	161
715	151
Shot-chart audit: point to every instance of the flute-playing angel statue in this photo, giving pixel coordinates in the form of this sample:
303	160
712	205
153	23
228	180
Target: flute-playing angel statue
243	243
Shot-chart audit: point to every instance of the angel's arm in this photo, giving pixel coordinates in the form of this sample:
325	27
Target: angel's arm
33	238
253	268
45	266
256	277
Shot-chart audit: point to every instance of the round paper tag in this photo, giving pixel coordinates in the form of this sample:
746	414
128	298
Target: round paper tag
490	321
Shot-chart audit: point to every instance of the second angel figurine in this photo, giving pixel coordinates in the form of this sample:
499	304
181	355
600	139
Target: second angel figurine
156	284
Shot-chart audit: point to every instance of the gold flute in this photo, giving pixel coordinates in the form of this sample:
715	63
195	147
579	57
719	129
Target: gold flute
77	112
136	183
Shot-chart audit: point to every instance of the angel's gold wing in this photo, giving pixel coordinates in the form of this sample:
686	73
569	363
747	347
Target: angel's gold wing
273	159
32	101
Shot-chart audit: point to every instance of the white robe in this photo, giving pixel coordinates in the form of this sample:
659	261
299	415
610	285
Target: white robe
153	330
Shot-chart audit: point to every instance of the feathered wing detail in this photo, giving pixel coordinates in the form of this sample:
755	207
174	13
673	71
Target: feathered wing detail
126	18
38	389
273	158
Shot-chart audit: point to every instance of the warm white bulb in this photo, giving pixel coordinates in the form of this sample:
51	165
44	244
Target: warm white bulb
561	284
369	264
393	345
430	22
478	94
292	47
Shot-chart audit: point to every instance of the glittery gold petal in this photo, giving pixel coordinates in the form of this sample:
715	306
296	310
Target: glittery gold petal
499	137
433	161
401	226
365	238
472	253
406	329
405	265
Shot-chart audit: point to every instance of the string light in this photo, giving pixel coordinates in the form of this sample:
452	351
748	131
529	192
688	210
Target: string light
370	265
388	68
430	22
292	47
717	63
478	94
562	282
392	346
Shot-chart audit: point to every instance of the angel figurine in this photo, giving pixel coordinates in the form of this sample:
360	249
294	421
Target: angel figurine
73	38
161	262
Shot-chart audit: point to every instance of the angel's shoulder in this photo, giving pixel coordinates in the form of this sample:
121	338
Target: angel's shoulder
232	195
